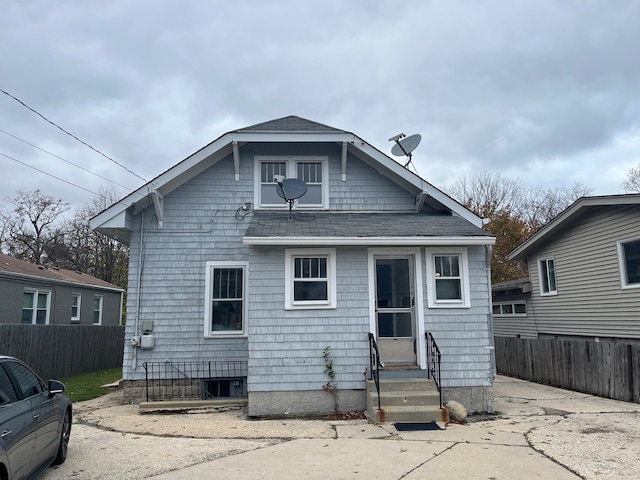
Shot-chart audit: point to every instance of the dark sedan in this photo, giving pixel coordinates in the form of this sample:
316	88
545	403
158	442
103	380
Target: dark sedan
35	421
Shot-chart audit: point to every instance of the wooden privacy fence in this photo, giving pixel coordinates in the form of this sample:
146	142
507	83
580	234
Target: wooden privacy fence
61	351
606	369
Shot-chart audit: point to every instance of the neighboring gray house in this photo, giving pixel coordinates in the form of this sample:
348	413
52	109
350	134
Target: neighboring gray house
221	272
47	295
584	268
512	312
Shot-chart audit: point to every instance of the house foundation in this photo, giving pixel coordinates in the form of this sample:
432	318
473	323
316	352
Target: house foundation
475	399
305	403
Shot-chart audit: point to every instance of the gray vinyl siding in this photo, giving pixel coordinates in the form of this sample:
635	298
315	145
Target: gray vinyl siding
515	325
11	298
590	300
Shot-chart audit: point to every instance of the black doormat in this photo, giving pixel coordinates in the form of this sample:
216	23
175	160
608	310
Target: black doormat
416	426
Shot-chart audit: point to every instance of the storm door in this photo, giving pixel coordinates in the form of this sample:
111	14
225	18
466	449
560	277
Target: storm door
395	310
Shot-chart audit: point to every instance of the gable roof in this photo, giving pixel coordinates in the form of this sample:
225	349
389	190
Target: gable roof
13	267
115	221
577	210
346	228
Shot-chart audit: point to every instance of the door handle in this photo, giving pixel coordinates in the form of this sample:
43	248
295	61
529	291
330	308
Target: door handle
5	433
36	415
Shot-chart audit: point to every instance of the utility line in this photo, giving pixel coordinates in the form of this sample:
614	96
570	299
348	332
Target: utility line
64	160
71	135
57	178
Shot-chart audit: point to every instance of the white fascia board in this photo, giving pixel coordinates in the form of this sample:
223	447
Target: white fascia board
386	241
111	219
565	216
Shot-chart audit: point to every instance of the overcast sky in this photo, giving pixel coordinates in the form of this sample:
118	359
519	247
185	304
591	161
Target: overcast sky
547	92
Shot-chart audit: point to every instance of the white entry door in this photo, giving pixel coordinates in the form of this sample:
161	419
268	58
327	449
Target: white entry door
395	310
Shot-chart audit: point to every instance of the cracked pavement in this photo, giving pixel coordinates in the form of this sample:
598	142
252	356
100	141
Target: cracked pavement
540	432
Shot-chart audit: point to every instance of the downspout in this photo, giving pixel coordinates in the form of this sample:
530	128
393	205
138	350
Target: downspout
492	346
134	362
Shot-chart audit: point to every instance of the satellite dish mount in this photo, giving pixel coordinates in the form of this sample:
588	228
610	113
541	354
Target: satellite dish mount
290	189
405	145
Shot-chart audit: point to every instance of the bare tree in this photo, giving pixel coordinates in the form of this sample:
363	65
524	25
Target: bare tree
515	213
33	225
632	181
92	252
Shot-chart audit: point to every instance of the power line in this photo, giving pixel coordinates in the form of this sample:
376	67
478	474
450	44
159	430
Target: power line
64	160
71	135
53	176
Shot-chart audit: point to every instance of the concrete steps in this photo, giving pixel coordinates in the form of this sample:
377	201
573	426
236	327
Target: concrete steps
404	400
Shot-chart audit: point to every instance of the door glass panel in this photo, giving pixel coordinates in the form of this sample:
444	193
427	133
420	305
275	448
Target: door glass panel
393	284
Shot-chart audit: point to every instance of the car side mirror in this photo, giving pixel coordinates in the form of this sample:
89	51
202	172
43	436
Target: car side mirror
56	387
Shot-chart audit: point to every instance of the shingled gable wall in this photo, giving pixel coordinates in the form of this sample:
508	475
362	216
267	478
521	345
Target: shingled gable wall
283	348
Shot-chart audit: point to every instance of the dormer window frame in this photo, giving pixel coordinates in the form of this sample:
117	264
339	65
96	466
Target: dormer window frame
290	170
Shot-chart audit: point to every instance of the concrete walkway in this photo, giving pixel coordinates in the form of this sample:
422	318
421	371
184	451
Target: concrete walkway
541	432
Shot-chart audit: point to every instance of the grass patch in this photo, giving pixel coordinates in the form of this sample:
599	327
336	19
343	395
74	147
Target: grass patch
90	385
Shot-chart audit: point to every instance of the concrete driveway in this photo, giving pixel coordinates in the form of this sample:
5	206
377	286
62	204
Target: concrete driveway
541	432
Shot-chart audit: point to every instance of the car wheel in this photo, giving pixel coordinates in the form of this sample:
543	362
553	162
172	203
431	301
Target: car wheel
64	439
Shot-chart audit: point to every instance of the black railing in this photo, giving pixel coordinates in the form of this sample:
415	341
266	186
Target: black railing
195	380
433	362
374	364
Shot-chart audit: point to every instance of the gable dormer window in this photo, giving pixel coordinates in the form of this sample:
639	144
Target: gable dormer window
313	170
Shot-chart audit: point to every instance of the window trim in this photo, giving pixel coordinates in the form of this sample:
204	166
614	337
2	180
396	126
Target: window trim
34	306
289	255
79	307
101	310
291	161
465	291
550	293
208	297
622	264
513	304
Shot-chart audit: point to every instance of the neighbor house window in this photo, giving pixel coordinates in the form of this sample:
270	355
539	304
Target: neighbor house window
629	258
76	300
310	278
35	307
516	309
448	277
225	308
547	276
311	170
98	301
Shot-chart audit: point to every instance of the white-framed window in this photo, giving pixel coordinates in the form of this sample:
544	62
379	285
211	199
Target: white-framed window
547	269
313	170
76	302
629	261
448	276
36	306
310	278
225	302
98	302
512	309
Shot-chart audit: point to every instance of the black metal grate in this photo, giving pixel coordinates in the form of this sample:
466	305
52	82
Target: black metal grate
195	380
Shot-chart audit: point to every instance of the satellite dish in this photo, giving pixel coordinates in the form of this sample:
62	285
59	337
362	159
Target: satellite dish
290	189
406	145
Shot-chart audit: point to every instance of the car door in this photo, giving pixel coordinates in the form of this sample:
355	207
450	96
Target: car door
41	407
17	429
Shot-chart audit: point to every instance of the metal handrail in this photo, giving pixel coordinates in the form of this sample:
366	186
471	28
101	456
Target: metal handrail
374	365
433	362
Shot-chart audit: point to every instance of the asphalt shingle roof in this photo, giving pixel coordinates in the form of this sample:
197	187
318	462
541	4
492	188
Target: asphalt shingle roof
292	123
352	225
11	265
